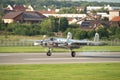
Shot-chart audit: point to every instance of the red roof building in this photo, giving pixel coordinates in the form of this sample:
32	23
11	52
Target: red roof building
19	8
116	19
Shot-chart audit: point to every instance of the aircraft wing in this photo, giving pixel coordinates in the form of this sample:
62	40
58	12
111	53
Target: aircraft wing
80	42
96	41
86	42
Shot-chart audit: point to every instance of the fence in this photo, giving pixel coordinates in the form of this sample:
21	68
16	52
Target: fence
114	42
15	43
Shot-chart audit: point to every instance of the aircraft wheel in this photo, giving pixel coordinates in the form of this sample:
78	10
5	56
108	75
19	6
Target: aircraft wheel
49	53
73	54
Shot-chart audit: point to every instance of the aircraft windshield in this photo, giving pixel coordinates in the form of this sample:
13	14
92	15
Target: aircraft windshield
52	39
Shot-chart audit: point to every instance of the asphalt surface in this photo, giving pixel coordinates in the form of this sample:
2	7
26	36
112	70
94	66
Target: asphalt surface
58	58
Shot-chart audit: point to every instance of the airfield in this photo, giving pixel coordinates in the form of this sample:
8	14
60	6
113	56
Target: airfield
59	58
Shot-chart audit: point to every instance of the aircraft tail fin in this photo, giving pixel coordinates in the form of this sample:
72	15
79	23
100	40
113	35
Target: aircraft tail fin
44	37
96	38
69	36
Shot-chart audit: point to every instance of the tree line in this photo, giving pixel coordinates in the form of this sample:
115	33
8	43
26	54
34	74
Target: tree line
40	4
47	26
51	25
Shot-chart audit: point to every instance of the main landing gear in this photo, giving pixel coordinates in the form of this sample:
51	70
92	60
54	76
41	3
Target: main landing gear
73	54
49	53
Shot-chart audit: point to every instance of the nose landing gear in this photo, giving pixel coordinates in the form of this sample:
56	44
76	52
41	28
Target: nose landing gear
49	52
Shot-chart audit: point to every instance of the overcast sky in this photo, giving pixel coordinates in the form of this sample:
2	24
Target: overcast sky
118	1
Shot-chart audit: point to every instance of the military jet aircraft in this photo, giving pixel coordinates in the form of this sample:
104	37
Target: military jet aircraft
67	43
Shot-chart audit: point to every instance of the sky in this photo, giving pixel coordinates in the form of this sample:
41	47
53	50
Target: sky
115	1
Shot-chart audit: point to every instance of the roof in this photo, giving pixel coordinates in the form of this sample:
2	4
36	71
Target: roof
93	24
26	15
47	12
19	8
33	16
70	19
12	15
116	18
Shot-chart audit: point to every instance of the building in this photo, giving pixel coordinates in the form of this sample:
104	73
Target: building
113	13
116	21
90	8
108	7
54	13
15	8
12	17
29	8
19	8
103	14
93	24
48	13
23	16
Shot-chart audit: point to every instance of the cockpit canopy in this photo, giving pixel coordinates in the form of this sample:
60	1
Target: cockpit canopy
52	39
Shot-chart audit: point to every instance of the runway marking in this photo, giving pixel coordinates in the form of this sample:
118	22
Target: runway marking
55	58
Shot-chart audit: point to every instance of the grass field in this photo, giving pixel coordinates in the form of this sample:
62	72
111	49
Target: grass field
84	71
38	49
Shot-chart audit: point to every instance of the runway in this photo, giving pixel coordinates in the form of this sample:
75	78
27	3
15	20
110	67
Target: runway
58	58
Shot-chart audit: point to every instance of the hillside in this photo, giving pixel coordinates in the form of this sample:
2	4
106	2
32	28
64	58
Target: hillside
44	4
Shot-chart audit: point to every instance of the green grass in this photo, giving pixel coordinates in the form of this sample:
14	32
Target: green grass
84	71
18	37
38	49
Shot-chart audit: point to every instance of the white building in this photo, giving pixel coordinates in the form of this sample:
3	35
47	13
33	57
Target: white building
113	13
9	7
30	8
66	15
103	15
90	8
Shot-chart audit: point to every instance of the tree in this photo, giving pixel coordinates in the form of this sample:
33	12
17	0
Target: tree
11	27
1	25
74	25
81	34
25	29
117	32
46	26
103	32
49	25
63	24
53	24
72	30
36	29
91	33
112	30
70	10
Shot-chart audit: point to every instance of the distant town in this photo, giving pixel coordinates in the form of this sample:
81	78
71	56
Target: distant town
92	13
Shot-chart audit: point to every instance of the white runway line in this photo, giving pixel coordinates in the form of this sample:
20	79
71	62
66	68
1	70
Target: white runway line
56	58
